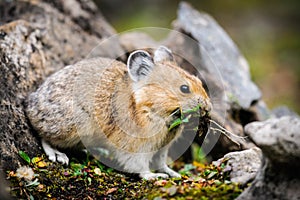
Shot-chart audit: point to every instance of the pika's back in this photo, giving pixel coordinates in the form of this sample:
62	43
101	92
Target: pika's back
63	103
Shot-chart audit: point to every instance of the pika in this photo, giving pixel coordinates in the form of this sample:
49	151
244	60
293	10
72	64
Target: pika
126	109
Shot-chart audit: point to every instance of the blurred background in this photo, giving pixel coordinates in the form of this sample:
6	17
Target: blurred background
267	33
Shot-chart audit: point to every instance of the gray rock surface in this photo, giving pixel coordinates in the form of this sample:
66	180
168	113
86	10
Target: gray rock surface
283	111
243	165
131	41
278	138
4	187
36	39
279	176
217	50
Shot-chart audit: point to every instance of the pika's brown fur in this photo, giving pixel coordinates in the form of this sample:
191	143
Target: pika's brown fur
125	109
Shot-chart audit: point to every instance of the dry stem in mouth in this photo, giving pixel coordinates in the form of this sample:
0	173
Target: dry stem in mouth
227	133
176	113
181	117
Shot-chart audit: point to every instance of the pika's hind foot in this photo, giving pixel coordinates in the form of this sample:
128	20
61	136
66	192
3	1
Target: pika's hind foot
153	176
54	155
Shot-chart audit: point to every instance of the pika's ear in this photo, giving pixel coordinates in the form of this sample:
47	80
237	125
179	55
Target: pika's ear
163	54
139	65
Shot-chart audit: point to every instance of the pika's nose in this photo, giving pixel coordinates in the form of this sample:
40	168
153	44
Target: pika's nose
206	105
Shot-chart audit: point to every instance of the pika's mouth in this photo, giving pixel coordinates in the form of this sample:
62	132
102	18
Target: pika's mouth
176	114
180	116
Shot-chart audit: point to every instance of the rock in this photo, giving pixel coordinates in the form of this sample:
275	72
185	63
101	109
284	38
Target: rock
63	24
279	139
279	176
204	49
87	16
243	164
219	54
4	187
283	111
131	41
37	39
22	67
260	110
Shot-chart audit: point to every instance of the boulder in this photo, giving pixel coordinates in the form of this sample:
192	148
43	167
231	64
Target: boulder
283	111
218	53
243	165
38	38
279	175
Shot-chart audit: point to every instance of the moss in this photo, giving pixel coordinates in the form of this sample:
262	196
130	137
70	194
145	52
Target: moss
89	179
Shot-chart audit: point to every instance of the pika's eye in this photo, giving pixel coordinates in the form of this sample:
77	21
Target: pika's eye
185	89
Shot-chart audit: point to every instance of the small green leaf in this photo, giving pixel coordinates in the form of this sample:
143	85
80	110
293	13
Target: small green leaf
186	120
217	182
187	169
100	165
157	198
31	197
36	159
33	183
223	166
109	170
195	109
24	156
207	172
89	180
197	153
176	122
211	174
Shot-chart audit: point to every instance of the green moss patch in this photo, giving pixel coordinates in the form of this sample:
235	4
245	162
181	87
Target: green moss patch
89	179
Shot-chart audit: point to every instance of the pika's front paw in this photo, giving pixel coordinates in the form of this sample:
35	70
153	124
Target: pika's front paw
62	158
58	156
171	172
55	155
153	176
174	174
